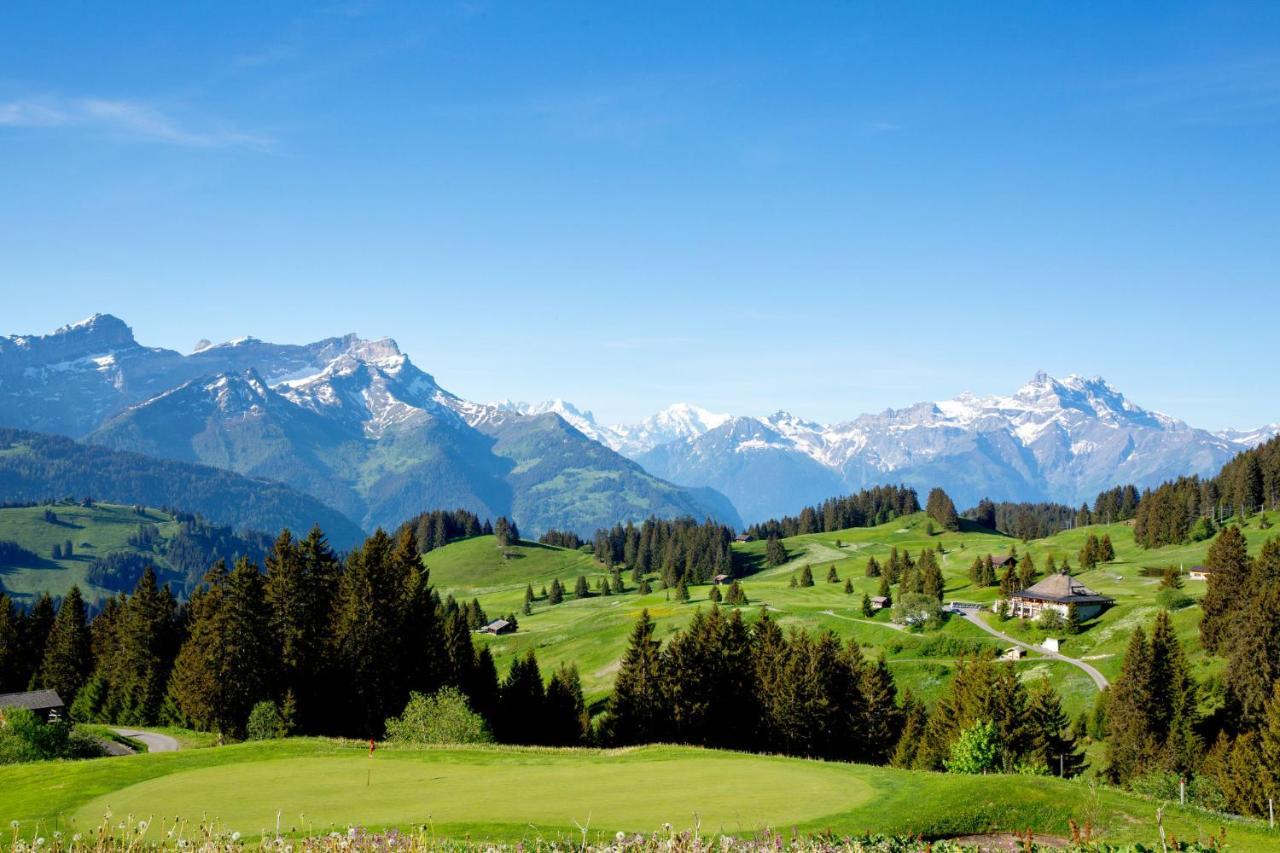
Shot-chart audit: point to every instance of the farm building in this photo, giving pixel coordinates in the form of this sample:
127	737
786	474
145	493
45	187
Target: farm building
1057	592
879	602
1199	573
722	580
744	537
1013	653
46	704
498	626
1003	561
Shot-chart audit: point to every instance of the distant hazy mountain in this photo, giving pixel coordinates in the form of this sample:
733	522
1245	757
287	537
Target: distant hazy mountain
1062	440
36	466
351	422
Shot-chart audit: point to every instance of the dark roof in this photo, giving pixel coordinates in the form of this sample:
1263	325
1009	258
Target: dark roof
1200	569
35	700
496	625
1003	559
879	599
1063	589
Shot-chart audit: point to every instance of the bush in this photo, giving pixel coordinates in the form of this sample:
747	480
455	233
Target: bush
25	737
1173	599
264	722
918	609
975	750
443	717
1051	620
1203	529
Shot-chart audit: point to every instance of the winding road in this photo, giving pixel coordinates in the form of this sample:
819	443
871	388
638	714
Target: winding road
972	615
154	741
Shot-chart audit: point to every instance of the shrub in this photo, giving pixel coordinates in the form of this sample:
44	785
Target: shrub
443	717
975	750
918	609
1173	599
1051	620
25	737
264	722
1203	529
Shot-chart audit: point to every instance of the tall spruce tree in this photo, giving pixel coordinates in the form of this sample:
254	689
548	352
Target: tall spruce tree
1228	565
567	721
1131	746
68	658
941	509
1053	746
636	707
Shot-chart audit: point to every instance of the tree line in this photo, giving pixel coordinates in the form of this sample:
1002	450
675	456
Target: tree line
866	508
335	645
1223	735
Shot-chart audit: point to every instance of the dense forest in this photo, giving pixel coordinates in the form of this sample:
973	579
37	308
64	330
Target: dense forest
867	508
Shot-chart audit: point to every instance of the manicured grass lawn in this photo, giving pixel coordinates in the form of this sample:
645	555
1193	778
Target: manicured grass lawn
507	794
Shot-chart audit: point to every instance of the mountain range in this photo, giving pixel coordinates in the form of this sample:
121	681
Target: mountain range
351	422
1051	440
355	425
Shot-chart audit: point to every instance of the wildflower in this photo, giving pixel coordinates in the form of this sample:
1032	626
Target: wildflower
13	824
235	836
620	836
77	838
142	826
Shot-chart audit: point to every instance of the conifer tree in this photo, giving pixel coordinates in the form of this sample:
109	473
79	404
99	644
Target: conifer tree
1026	571
636	710
714	595
298	590
481	687
1106	551
556	595
832	576
941	509
873	568
35	635
522	704
135	668
848	586
567	721
867	610
775	553
682	591
580	588
883	590
1228	571
1131	747
10	646
67	657
806	576
1053	747
931	582
910	751
883	718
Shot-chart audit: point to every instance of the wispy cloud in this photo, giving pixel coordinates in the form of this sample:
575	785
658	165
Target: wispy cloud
125	118
1238	92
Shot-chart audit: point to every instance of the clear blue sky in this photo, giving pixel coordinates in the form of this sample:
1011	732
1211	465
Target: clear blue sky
829	208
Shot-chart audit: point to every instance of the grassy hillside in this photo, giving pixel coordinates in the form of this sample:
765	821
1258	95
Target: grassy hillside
312	786
179	552
94	532
593	632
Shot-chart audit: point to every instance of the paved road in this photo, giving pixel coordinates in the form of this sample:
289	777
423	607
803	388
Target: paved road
154	742
1098	678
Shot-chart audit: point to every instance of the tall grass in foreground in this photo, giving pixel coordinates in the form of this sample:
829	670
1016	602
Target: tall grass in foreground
132	834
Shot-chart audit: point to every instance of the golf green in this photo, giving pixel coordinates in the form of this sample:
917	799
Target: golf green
726	792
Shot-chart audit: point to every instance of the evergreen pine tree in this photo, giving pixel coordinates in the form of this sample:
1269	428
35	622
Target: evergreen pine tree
1053	747
67	659
636	709
832	576
1131	747
522	704
775	553
1228	571
848	586
567	722
556	595
806	576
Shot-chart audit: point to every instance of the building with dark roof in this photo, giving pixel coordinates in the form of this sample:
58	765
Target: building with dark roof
46	704
1057	592
498	626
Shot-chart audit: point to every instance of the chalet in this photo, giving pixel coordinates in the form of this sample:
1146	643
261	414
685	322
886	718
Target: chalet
1005	560
879	602
1013	653
498	626
1199	573
1057	592
46	704
744	537
722	580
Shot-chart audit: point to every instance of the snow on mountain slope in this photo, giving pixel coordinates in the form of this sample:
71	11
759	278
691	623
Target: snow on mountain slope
1062	440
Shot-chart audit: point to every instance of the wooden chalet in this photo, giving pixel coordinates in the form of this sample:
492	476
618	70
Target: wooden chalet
879	602
1057	592
498	626
46	704
1199	573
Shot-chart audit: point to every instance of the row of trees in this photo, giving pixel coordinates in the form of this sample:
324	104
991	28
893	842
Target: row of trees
336	645
867	508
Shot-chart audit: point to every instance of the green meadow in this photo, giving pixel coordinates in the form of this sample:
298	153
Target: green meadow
314	786
93	531
592	633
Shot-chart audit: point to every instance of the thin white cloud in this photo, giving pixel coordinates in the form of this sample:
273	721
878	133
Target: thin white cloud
122	117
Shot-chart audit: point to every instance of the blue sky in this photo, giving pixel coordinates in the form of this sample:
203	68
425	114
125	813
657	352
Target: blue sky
830	208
